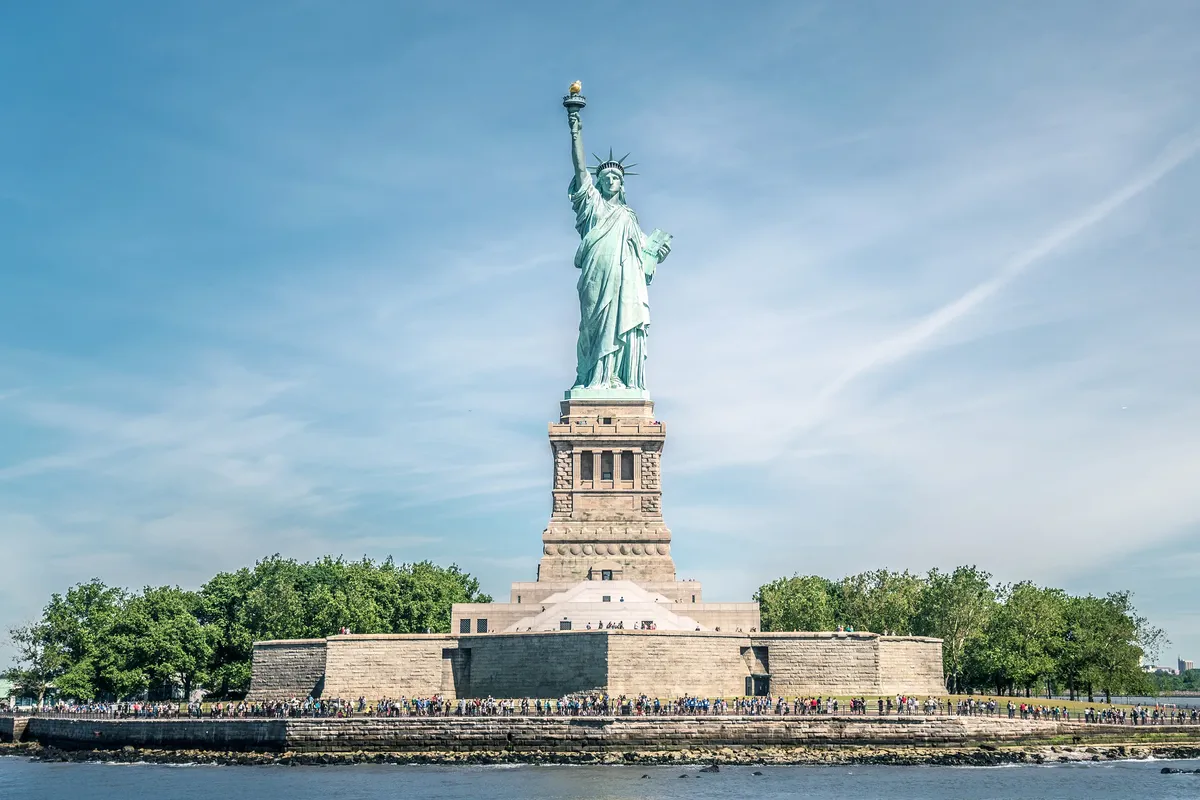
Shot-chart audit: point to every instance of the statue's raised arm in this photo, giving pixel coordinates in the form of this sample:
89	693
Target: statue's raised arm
574	104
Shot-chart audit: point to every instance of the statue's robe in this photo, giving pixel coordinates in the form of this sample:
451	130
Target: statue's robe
614	306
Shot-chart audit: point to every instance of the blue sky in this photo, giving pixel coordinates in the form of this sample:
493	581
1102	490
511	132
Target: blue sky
296	278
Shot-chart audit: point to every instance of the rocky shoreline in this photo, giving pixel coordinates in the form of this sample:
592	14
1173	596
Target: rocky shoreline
983	755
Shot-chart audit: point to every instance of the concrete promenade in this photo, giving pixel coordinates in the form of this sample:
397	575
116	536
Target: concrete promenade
584	734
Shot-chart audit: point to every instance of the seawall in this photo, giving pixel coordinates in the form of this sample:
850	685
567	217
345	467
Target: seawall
12	729
554	734
160	734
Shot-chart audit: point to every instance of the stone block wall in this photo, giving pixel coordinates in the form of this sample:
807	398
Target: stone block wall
287	668
164	734
499	616
536	664
671	664
729	617
389	665
803	664
551	664
12	728
910	665
557	734
618	532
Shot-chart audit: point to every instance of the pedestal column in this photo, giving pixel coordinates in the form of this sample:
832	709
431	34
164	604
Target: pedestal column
607	528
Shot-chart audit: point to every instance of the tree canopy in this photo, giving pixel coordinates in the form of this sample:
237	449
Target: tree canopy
997	638
101	642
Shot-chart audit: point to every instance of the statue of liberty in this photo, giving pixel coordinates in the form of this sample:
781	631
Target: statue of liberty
616	262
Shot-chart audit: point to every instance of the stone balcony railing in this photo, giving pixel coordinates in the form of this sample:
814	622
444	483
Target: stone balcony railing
642	429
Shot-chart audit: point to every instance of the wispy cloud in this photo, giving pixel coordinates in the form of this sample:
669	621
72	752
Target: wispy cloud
910	340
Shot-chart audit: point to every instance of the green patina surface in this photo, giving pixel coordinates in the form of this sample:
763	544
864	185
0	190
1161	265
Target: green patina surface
617	261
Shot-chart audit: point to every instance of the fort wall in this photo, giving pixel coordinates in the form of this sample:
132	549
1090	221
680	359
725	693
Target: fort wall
630	662
287	668
823	664
390	665
672	664
910	664
536	664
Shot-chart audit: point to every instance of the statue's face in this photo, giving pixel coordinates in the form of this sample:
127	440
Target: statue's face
610	183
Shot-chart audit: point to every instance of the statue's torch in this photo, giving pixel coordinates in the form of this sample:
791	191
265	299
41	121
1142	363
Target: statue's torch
574	101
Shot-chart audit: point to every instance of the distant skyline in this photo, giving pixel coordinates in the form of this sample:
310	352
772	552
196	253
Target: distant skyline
932	300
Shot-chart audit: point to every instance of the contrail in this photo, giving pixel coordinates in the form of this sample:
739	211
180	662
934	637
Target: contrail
907	341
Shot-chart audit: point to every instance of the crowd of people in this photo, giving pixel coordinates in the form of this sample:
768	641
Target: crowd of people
1143	715
124	710
597	705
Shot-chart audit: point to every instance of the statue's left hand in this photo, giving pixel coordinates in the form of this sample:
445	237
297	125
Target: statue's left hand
663	252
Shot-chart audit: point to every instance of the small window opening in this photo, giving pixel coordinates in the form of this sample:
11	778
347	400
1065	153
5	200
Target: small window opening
564	625
606	465
606	598
518	598
606	575
608	420
464	626
586	465
481	626
626	465
693	598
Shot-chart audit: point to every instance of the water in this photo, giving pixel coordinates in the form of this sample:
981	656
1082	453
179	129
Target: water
25	780
1190	701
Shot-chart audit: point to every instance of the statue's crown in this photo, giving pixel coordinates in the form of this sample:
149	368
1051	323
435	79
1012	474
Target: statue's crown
613	163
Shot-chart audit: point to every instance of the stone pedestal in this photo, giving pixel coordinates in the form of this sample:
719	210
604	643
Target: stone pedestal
606	522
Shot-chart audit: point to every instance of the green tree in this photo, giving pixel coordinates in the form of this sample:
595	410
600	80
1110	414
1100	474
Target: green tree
955	607
77	622
96	641
156	643
222	613
426	592
880	601
62	648
1022	640
1186	681
38	661
281	598
1110	640
798	603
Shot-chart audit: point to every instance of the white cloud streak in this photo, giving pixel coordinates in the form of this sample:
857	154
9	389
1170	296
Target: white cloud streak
909	341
